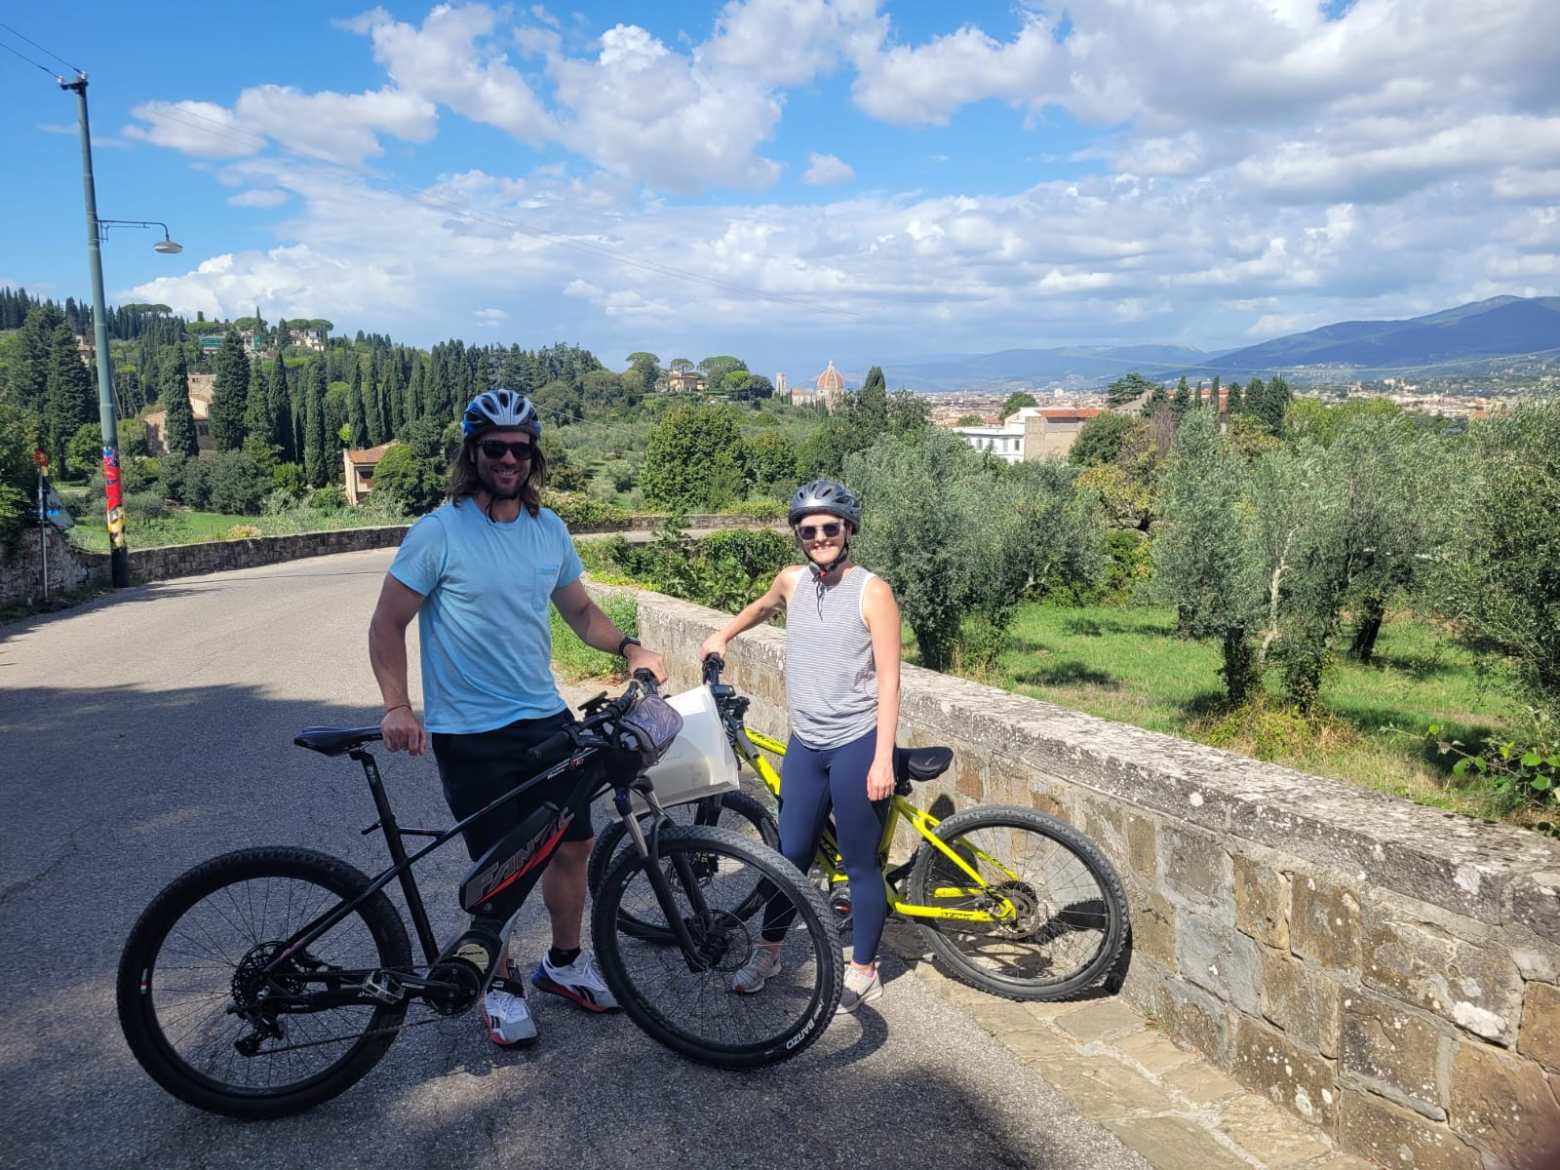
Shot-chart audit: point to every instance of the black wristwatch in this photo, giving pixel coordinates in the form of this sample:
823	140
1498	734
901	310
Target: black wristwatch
628	640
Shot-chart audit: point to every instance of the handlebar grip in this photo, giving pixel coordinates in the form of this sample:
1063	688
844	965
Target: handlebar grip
647	680
713	665
550	751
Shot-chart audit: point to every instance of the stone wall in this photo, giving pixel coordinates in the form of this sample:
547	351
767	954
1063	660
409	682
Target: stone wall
22	563
1387	972
21	580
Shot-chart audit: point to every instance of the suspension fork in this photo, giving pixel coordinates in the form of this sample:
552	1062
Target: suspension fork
649	849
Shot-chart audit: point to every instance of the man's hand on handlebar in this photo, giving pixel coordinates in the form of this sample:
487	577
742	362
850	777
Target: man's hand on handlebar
639	658
403	731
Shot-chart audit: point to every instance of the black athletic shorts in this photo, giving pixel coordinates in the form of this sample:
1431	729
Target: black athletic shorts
480	767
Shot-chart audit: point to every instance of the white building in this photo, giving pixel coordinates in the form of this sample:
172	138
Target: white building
1031	434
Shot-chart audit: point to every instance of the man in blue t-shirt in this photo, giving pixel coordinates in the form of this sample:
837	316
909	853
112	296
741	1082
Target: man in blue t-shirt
479	574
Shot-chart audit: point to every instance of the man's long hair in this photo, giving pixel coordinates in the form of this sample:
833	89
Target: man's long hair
464	480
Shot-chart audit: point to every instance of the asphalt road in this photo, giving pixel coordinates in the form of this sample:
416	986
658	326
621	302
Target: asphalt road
149	730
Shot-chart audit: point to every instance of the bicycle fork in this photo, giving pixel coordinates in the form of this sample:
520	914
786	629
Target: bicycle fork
649	849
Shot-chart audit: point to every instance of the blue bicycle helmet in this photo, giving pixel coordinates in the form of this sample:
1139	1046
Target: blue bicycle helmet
500	409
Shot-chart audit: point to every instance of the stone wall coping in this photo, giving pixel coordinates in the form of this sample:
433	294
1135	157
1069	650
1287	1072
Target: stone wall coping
1471	867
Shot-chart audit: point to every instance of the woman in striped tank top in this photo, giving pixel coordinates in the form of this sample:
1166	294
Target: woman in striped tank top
842	690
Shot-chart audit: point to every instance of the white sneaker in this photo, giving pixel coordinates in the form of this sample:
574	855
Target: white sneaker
506	1014
762	966
860	987
579	982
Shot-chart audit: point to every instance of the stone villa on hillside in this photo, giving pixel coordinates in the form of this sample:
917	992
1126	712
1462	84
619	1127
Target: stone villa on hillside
1031	434
201	387
358	471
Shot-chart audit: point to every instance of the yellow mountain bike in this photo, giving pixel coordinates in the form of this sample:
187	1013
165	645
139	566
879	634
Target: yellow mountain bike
1011	901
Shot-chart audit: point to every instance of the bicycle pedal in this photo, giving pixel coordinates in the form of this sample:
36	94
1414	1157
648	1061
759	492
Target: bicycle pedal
384	987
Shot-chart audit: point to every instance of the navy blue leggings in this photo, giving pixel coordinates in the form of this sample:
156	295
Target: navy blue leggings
811	781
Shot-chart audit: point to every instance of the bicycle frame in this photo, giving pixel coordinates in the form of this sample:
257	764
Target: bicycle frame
529	869
749	746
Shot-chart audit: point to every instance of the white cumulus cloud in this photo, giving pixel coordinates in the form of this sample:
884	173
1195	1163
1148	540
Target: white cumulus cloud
823	169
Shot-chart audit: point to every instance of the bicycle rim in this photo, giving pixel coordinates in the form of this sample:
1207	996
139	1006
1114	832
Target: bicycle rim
188	967
696	1012
1065	911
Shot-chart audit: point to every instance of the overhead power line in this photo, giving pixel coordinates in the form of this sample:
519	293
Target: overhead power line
41	48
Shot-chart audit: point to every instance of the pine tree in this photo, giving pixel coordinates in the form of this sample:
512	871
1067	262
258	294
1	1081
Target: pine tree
1182	400
229	394
356	418
315	471
281	411
30	375
179	434
69	398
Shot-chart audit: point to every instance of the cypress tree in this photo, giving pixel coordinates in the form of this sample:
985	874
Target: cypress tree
1214	392
281	411
257	406
1237	399
179	430
70	399
416	404
1276	405
315	471
1181	402
356	418
1255	401
229	394
393	396
373	416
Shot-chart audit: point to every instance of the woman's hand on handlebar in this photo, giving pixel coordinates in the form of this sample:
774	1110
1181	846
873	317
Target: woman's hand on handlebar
403	731
639	658
715	645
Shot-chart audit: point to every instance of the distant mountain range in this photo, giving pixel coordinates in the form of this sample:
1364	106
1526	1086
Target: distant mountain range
1471	338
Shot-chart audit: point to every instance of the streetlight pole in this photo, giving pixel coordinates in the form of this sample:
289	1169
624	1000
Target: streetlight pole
119	553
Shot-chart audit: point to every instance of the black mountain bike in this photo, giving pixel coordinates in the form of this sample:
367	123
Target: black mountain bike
265	981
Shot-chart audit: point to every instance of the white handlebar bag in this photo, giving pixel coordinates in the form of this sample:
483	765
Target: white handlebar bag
699	762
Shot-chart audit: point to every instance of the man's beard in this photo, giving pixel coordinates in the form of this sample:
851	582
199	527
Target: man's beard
497	493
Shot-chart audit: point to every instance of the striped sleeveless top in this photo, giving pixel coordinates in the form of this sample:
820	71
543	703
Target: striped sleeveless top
831	684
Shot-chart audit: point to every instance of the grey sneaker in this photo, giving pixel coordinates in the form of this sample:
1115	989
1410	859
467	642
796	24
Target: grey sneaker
762	966
860	987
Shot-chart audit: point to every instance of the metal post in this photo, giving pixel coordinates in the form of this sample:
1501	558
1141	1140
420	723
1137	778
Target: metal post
43	537
119	554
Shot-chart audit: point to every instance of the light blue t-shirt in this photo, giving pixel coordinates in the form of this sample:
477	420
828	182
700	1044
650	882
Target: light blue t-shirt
484	627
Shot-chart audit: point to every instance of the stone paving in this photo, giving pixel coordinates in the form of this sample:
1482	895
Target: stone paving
1170	1105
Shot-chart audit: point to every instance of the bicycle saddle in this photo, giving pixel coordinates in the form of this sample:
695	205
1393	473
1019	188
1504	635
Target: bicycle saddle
921	763
336	741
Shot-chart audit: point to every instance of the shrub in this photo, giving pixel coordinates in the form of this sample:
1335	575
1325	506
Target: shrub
696	459
238	484
415	481
579	510
84	451
145	506
758	508
330	498
288	477
724	570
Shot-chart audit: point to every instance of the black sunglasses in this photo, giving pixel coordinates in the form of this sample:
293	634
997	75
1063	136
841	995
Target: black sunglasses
495	448
810	531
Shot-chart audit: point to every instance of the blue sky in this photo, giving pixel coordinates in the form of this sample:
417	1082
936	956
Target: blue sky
795	180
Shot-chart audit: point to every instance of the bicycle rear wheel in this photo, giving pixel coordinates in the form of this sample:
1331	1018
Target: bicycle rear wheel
194	1012
695	1012
1071	921
736	811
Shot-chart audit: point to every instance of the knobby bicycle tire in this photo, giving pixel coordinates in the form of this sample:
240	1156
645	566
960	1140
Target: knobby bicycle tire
735	808
802	1000
1060	906
147	966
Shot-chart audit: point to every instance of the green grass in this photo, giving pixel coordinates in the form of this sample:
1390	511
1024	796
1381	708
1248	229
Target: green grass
188	526
574	660
1125	665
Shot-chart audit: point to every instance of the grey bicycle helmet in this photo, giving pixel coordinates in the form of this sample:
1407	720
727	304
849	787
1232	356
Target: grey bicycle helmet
500	409
828	496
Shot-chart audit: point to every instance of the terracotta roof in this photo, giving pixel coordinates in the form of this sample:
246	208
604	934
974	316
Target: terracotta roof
1070	411
831	380
368	455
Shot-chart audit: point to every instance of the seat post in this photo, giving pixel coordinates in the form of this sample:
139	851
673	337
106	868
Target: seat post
393	842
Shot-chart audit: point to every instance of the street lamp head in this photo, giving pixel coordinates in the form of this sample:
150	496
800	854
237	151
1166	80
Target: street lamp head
167	247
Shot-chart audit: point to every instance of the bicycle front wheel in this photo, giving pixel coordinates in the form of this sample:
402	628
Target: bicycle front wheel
195	1011
1059	914
715	877
735	811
